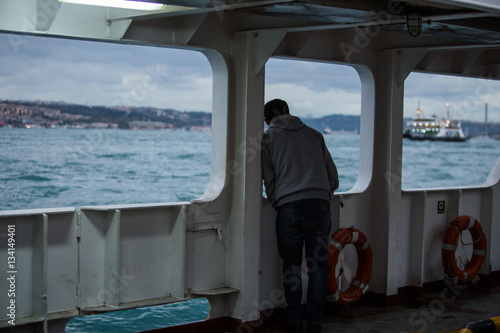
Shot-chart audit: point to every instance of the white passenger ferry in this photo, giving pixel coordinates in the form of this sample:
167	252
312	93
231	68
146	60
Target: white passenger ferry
76	261
434	128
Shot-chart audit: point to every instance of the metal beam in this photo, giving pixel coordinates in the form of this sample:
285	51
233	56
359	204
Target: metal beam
173	10
46	13
488	5
265	45
379	22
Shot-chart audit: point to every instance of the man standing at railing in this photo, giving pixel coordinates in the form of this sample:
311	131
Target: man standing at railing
300	178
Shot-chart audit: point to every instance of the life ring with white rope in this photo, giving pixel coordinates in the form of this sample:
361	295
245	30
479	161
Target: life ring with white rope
359	286
450	244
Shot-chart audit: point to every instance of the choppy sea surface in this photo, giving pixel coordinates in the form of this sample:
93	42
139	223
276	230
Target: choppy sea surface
47	168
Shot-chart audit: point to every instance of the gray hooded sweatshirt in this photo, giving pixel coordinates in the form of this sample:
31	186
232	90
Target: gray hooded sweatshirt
296	164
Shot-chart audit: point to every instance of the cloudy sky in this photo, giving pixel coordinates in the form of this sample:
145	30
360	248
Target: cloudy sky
41	68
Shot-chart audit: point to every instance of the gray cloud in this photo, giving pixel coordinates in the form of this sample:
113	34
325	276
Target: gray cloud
316	76
101	73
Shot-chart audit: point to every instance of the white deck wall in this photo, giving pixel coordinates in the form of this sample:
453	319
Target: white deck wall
100	259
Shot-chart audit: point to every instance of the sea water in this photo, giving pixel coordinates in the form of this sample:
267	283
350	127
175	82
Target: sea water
47	168
141	319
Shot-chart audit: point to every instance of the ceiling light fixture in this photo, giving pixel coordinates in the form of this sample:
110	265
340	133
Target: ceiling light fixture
137	5
414	23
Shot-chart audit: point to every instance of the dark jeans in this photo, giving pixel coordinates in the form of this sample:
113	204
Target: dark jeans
298	222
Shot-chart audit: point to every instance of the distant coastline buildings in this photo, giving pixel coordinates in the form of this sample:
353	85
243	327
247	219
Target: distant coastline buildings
149	125
37	114
40	114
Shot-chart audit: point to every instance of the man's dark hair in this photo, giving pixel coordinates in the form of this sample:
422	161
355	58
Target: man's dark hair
274	108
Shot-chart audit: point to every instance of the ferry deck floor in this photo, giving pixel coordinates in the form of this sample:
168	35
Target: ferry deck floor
441	310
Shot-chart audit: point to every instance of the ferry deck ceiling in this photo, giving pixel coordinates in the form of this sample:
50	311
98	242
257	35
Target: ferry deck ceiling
464	21
461	37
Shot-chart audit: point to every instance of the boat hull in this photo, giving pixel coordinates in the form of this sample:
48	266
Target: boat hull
436	138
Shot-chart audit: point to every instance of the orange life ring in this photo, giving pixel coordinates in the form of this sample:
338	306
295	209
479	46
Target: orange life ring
358	288
450	243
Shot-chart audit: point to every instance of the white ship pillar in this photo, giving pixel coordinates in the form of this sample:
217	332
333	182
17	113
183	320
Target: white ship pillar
386	174
238	87
246	99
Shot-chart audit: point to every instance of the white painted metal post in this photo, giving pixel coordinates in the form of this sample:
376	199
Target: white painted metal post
387	170
493	180
40	245
246	116
416	239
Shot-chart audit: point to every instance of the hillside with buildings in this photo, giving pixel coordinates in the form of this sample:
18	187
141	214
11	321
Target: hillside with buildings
59	114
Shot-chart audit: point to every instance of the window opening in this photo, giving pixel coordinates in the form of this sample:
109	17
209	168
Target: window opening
326	97
91	123
437	110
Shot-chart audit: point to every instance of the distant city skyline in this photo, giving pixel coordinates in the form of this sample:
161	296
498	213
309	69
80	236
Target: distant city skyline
96	73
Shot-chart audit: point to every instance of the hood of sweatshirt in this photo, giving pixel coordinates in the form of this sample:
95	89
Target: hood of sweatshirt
287	122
